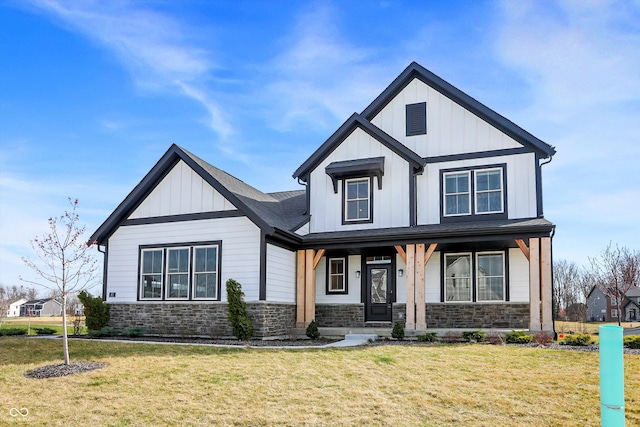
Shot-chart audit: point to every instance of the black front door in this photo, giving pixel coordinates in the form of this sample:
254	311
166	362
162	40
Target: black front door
379	295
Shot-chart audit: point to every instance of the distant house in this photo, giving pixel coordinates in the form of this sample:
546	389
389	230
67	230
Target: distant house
602	308
14	307
41	308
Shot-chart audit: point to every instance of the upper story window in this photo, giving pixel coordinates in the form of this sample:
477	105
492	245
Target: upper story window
479	191
180	273
357	200
416	118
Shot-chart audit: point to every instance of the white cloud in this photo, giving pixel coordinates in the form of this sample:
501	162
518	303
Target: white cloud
155	48
320	78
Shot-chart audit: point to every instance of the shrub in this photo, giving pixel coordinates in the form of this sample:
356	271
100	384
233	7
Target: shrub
398	331
133	332
577	339
632	341
312	330
476	336
518	337
97	312
495	338
13	331
44	331
428	337
237	313
542	338
107	331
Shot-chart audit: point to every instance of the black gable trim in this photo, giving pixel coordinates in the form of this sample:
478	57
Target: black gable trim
357	121
173	155
356	168
417	71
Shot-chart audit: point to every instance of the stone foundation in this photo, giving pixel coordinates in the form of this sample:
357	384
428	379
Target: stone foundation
202	319
478	316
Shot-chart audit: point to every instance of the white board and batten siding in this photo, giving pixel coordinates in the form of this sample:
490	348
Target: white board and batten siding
181	191
451	129
520	178
390	204
353	283
240	252
281	274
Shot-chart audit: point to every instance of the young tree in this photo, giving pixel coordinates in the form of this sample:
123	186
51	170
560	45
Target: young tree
64	261
616	271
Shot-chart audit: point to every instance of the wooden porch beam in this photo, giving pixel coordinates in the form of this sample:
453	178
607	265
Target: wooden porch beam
400	251
317	258
421	256
300	290
410	324
523	247
430	251
310	288
545	283
534	286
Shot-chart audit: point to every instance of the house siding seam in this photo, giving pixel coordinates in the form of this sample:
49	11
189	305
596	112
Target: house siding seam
206	319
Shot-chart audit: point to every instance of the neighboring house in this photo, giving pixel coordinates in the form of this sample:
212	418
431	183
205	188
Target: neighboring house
602	308
14	307
426	208
41	308
632	306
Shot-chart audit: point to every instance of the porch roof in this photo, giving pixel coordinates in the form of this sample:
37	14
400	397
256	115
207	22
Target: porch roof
459	232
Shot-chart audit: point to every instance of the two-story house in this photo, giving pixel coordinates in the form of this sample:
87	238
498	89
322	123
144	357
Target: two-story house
425	208
603	307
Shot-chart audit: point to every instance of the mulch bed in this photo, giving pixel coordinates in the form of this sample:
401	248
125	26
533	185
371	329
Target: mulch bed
61	370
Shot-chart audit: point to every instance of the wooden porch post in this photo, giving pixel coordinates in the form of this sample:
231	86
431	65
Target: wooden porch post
411	285
310	288
421	319
545	283
534	284
300	290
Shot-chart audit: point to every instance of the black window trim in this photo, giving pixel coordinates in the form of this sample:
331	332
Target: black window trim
474	254
345	259
344	201
165	247
473	216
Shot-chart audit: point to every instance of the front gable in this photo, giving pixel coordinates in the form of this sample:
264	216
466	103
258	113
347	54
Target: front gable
182	191
453	117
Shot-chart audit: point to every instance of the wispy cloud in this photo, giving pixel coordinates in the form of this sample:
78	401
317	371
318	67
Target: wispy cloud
155	48
320	77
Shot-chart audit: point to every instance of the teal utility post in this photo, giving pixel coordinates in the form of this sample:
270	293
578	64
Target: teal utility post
611	376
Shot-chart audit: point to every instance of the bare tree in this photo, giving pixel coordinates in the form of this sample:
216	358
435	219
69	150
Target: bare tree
616	271
566	276
64	261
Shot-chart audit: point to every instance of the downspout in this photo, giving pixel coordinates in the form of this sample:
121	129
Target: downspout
104	271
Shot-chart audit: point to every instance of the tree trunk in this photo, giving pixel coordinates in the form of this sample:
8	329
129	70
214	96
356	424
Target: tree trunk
65	339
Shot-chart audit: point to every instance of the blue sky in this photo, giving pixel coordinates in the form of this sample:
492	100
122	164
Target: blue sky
93	93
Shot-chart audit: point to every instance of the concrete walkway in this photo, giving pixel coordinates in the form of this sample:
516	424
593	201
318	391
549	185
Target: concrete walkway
353	340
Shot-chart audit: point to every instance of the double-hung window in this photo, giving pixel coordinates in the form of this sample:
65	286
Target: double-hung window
151	273
474	277
467	193
180	272
357	199
337	275
205	273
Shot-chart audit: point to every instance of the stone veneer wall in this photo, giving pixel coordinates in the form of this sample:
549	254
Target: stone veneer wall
485	316
477	316
202	319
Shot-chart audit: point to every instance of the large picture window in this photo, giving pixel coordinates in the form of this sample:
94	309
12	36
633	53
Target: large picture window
471	278
357	204
468	193
180	272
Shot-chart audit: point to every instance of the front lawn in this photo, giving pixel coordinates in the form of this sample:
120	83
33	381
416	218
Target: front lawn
144	384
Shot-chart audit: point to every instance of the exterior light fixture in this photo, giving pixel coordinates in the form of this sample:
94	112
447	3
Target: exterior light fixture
400	273
357	274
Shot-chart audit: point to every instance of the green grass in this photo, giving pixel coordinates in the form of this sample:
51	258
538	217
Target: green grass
41	322
144	384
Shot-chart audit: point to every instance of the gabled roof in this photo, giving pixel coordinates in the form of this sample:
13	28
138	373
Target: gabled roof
415	70
634	291
274	215
41	301
352	123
